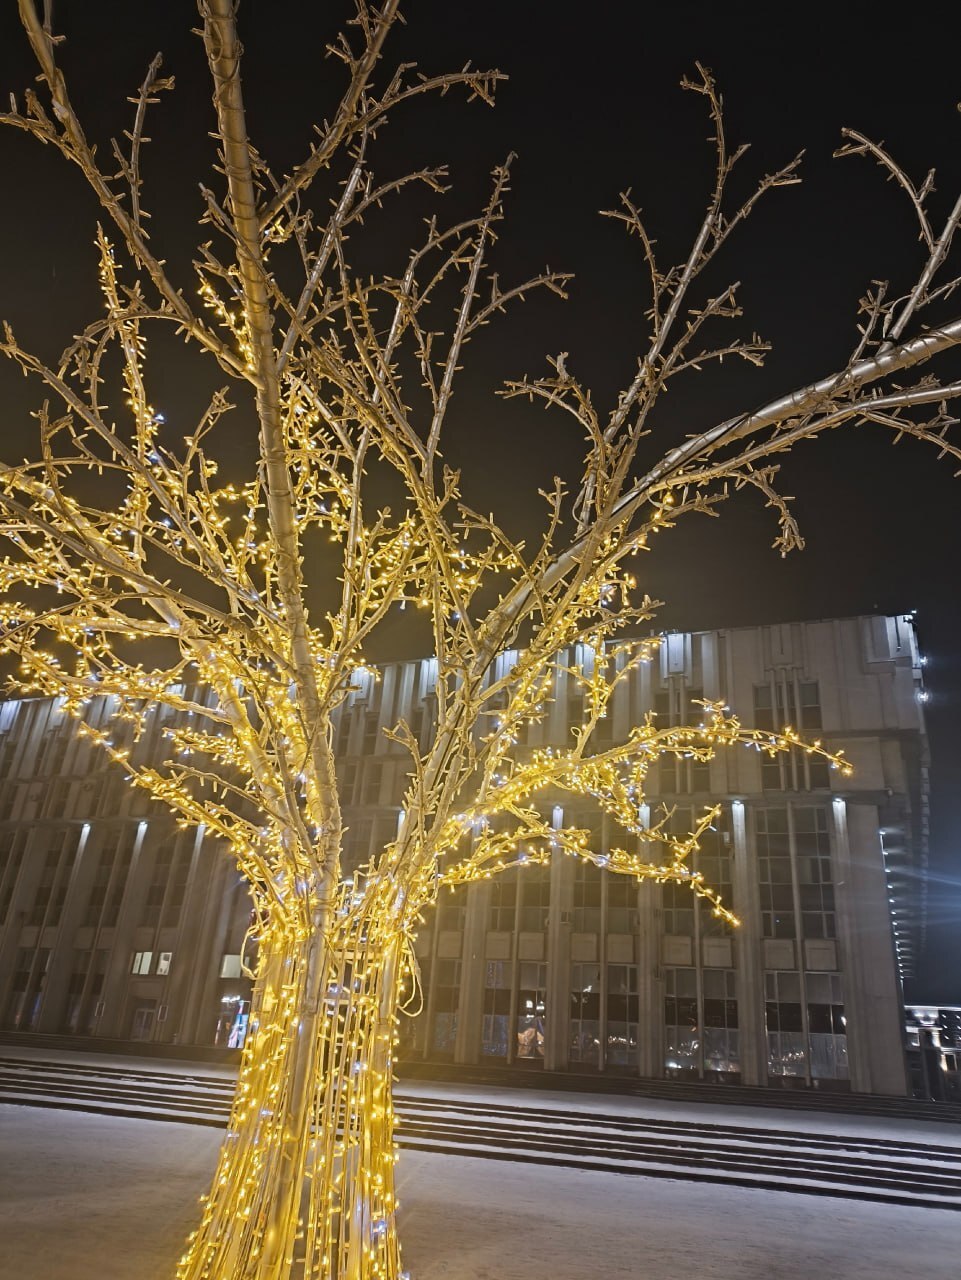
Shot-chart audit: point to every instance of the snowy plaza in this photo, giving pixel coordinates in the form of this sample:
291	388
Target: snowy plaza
94	1197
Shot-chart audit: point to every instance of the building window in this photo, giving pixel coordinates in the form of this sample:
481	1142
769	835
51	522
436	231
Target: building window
503	903
176	889
774	873
373	776
713	860
586	898
781	703
53	752
142	961
416	718
810	699
357	840
8	797
786	1049
805	857
110	881
446	995
535	885
497	1007
621	903
156	892
677	704
680	1020
347	782
341	732
371	734
11	857
51	891
622	1016
75	990
585	1024
26	988
122	857
163	963
677	903
815	880
818	1049
450	914
231	967
827	1026
721	1045
531	1010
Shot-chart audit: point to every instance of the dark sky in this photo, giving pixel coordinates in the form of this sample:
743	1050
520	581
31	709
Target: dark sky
593	107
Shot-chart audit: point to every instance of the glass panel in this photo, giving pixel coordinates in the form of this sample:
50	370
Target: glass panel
494	1035
721	1050
445	1032
621	1050
786	1056
531	1010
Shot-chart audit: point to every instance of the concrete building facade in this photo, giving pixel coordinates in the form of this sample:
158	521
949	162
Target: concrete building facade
115	924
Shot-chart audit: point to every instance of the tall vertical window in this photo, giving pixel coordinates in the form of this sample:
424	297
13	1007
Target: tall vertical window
585	1025
163	861
815	879
713	860
8	798
827	1026
677	704
535	885
110	882
176	889
416	719
787	1052
357	842
701	1029
53	751
786	701
26	988
450	913
680	1019
677	901
8	753
447	978
720	1025
622	1016
678	906
75	989
495	1028
371	734
11	858
503	902
531	1010
621	903
810	903
373	774
587	897
51	891
774	874
101	879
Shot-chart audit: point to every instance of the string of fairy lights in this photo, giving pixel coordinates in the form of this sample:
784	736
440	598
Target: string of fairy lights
313	1113
135	572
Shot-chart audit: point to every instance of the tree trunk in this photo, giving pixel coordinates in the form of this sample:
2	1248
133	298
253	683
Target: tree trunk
304	1188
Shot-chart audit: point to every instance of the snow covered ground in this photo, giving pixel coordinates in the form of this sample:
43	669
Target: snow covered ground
86	1197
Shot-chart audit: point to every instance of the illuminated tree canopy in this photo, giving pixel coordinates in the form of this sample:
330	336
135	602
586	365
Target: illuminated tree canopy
133	566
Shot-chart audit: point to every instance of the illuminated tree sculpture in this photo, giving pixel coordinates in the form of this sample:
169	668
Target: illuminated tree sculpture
131	569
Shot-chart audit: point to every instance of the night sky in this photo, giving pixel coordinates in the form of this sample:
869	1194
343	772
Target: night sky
593	107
